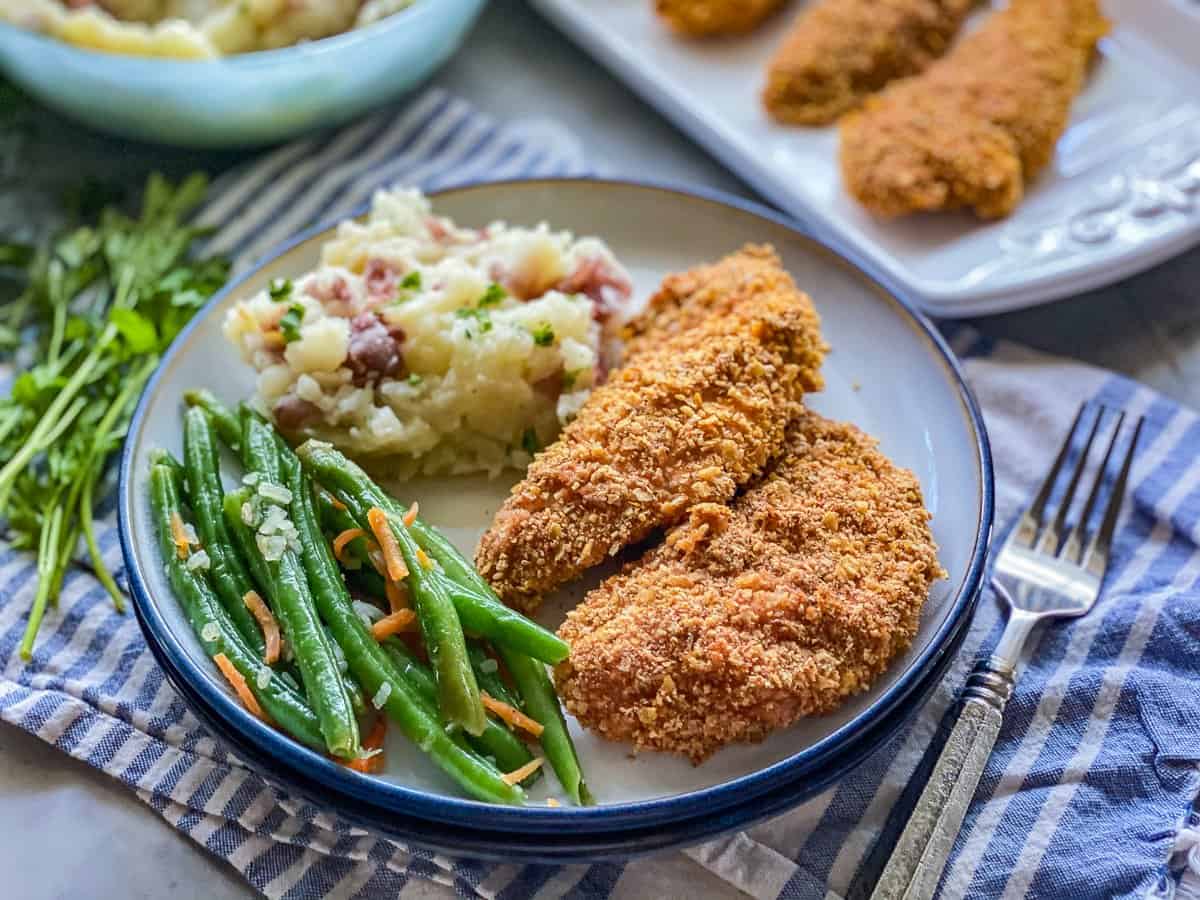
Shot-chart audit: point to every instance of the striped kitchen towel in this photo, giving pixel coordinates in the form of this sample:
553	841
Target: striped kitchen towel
1089	793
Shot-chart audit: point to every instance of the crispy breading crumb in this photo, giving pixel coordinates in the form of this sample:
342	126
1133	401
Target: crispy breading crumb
750	617
979	125
699	409
839	51
715	18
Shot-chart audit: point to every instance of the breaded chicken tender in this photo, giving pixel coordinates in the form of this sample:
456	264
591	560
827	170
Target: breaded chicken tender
839	51
687	421
979	125
685	300
751	616
715	18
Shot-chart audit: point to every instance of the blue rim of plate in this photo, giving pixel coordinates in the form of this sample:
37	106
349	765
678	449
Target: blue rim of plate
405	801
576	846
245	61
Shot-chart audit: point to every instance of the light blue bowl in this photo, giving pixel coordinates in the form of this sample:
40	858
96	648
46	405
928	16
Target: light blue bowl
253	98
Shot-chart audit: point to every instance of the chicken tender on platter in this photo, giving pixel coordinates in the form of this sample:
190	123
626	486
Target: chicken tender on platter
715	18
687	420
979	125
839	51
751	616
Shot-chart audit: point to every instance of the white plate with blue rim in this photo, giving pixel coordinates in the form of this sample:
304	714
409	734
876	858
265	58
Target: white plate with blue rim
889	373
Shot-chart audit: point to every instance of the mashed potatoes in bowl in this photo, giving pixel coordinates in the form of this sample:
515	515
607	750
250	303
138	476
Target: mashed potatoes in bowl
440	348
193	29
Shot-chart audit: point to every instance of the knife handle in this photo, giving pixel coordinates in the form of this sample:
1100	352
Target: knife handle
915	866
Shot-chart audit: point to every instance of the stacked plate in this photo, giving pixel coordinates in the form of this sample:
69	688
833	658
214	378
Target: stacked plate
889	373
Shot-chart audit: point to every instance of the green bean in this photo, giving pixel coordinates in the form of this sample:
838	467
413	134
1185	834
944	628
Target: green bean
458	693
335	520
374	670
284	705
229	427
358	700
297	613
480	610
229	576
414	671
486	615
243	540
487	673
497	741
160	457
541	703
473	595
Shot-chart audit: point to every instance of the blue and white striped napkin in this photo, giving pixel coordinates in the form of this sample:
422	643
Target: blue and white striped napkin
1092	785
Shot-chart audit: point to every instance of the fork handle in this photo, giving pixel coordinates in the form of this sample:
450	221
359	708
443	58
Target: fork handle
915	866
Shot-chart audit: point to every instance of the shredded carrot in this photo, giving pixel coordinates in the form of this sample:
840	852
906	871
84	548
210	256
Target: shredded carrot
522	773
238	683
382	529
373	741
411	515
396	622
266	621
179	535
423	559
337	504
340	542
511	715
397	596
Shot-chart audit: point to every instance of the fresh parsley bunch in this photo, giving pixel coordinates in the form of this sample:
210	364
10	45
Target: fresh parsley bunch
101	302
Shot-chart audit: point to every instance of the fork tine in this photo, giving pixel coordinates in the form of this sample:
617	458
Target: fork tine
1027	528
1096	558
1052	536
1073	548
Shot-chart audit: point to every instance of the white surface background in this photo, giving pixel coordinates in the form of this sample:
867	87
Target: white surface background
69	832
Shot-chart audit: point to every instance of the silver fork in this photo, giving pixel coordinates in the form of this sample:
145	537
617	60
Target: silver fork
1040	575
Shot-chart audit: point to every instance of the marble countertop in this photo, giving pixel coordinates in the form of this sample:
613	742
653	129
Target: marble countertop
63	824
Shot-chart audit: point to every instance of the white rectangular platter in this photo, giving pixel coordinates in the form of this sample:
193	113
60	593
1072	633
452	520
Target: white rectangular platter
1122	194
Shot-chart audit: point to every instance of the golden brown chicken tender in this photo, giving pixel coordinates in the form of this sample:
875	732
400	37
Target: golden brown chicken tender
839	51
715	18
979	125
754	615
686	299
687	420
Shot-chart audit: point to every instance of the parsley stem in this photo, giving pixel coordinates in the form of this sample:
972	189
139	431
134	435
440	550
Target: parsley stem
49	539
59	302
18	309
65	552
105	432
10	420
89	536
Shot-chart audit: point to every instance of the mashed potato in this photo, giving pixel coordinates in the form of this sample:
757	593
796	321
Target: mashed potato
193	29
441	349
